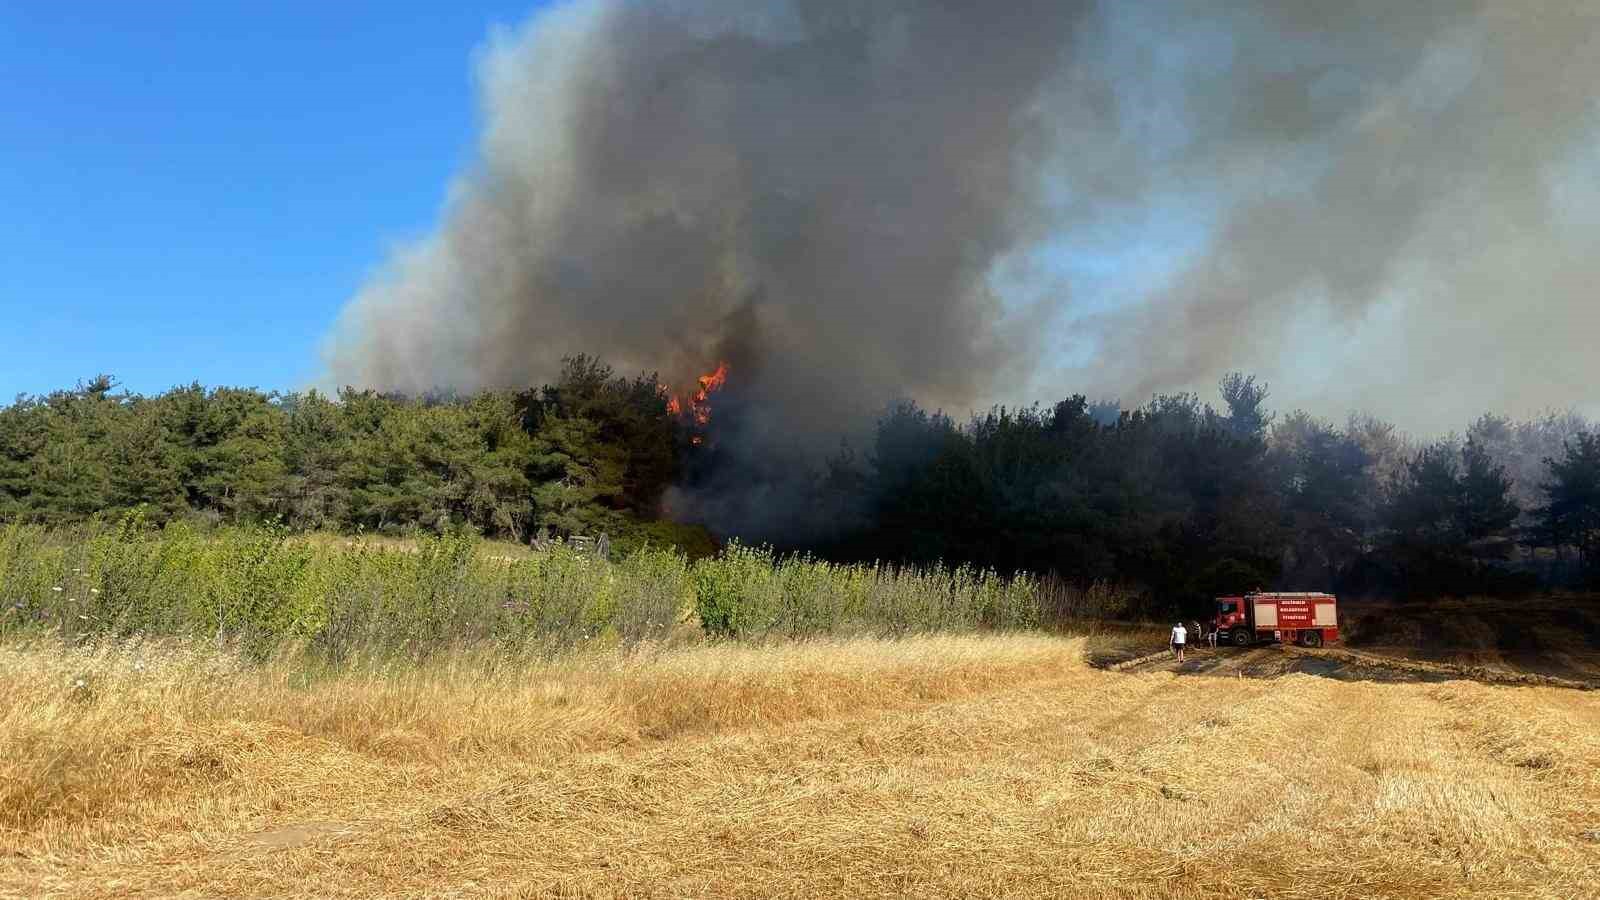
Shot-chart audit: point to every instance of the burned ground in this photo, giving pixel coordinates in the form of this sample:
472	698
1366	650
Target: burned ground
1552	641
1557	636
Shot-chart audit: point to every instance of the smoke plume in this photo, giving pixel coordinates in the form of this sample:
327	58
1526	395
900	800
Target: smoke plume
813	191
1403	204
1386	205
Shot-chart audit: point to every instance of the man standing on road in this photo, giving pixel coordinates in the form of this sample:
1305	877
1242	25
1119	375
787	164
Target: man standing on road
1180	636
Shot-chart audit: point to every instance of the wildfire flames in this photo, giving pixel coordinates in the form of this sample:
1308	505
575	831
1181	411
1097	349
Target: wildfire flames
698	405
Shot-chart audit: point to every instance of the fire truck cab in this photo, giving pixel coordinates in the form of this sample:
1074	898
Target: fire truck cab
1308	619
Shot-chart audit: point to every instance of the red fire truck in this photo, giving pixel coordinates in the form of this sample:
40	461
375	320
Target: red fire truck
1298	618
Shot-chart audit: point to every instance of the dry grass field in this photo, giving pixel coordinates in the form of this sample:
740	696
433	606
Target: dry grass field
977	766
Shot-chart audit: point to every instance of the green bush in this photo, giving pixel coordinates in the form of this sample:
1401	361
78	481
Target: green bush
262	588
736	592
746	592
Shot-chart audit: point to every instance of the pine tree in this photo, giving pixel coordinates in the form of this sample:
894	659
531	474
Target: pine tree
1487	510
579	479
72	470
317	443
143	464
499	497
1330	497
1571	516
1426	506
22	437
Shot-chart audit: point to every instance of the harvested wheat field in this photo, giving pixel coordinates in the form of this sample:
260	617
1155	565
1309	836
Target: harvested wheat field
934	766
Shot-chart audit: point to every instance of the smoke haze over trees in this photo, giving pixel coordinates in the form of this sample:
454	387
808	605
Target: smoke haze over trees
1375	205
1179	497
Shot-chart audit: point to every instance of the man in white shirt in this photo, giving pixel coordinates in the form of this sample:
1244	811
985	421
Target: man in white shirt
1180	636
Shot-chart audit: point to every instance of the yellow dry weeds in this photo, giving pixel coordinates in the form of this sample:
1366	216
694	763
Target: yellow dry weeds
976	766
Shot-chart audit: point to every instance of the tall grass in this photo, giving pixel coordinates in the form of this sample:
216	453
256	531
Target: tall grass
748	591
260	589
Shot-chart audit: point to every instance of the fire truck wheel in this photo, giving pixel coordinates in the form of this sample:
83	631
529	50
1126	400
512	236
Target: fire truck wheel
1241	638
1313	639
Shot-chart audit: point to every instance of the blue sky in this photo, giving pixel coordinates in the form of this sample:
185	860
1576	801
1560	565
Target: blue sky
193	190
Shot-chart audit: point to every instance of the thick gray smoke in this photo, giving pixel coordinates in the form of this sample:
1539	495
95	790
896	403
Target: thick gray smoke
813	191
1390	205
1404	203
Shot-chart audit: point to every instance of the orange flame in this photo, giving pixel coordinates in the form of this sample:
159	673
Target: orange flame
699	404
713	381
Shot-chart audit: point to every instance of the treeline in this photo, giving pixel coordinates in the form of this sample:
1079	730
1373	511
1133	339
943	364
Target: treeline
590	453
1187	500
1178	498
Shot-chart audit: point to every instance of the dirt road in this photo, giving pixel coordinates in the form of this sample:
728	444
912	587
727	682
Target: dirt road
1338	663
1263	662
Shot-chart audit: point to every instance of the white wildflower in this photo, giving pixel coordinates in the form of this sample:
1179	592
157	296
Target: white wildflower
57	589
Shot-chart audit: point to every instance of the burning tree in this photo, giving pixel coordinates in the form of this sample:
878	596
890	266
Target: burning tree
698	407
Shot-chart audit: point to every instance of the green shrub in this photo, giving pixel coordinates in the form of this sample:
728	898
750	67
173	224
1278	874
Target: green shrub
747	592
262	588
736	592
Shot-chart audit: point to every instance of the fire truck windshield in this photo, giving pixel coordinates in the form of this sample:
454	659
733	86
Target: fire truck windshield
1224	608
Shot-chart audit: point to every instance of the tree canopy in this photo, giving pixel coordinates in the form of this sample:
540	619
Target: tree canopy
591	452
1179	497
